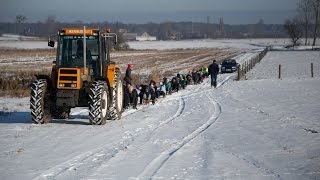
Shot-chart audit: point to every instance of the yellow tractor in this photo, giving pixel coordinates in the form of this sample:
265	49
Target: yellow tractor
82	76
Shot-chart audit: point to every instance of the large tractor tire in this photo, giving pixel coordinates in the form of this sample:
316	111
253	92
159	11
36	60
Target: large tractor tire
40	112
98	103
116	107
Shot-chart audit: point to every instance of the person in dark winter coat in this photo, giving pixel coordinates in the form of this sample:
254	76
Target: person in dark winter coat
195	76
147	93
175	84
213	71
189	78
130	96
126	96
133	95
128	78
152	91
153	85
144	92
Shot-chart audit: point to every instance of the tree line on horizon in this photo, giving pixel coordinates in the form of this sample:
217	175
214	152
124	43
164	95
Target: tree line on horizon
163	31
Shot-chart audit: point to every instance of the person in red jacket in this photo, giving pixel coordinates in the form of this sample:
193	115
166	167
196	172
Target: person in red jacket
128	78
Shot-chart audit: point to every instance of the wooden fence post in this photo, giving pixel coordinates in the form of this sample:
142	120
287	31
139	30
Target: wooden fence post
312	70
279	71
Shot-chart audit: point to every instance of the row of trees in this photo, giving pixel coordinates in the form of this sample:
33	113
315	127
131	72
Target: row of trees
305	23
21	20
163	31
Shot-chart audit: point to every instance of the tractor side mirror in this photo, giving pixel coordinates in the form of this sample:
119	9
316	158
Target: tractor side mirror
51	43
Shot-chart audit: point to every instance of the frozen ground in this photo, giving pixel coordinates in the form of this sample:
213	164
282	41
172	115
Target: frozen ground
260	128
209	43
294	65
14	41
22	42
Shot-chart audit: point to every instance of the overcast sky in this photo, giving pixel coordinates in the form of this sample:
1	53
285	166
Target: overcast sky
141	11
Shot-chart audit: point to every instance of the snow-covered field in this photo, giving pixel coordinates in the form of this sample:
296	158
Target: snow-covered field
294	65
260	128
14	41
210	43
22	42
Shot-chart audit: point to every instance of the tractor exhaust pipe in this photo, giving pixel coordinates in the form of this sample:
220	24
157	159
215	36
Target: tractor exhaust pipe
84	49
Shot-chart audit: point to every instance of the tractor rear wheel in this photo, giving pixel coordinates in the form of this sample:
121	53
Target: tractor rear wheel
40	112
116	107
98	103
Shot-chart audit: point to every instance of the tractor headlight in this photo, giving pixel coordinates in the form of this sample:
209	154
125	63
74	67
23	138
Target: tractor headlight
73	85
61	85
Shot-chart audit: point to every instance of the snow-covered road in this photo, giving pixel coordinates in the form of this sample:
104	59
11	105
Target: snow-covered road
261	128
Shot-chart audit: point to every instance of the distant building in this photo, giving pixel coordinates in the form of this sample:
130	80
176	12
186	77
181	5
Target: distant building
146	37
129	36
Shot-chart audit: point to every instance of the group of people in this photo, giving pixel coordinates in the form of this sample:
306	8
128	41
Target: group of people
147	93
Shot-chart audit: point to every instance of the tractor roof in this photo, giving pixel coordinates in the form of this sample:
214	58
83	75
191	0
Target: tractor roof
79	31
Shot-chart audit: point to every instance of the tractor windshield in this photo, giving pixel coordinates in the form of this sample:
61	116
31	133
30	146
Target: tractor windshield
71	51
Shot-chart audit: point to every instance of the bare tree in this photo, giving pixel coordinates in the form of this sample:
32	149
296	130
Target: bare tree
221	31
305	11
165	30
294	29
316	13
19	20
259	27
50	22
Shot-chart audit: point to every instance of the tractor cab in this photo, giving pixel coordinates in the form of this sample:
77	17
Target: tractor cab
77	49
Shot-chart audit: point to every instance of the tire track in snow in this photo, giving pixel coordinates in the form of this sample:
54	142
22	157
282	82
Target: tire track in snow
104	154
159	161
92	159
182	105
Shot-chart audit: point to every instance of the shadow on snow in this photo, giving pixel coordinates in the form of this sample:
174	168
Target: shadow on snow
25	118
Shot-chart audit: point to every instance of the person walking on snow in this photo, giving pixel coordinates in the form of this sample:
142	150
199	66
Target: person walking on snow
213	71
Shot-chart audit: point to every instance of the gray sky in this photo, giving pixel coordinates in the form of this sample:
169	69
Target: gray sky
141	11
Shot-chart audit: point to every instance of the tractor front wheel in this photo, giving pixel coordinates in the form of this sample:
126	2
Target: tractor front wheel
40	112
98	103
